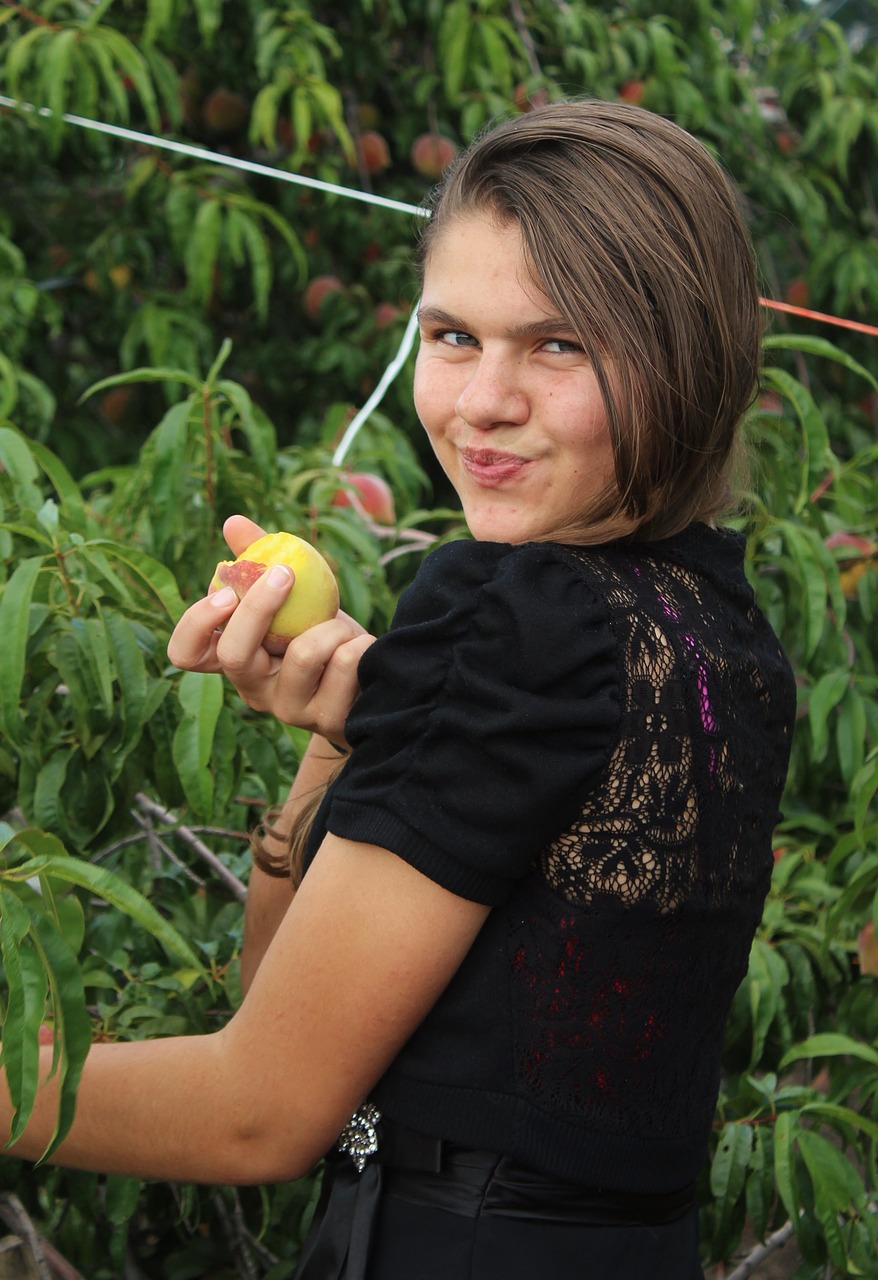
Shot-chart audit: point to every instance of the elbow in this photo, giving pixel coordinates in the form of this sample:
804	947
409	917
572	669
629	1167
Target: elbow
256	1165
257	1154
269	1134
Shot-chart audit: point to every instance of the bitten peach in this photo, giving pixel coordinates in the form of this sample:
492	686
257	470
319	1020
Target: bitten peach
313	598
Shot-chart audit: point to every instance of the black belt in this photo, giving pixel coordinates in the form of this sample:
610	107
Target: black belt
429	1171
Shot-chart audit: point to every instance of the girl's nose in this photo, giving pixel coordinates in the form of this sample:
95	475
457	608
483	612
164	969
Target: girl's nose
493	396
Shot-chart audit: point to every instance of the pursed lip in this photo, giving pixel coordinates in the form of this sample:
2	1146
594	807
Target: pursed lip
491	467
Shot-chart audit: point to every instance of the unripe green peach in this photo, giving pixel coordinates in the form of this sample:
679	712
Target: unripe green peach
313	598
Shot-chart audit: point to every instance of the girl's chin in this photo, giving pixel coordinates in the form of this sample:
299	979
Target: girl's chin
508	529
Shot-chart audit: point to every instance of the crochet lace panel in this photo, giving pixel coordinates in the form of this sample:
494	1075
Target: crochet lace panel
637	930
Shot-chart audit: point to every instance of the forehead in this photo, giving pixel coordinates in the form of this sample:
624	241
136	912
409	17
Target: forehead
478	260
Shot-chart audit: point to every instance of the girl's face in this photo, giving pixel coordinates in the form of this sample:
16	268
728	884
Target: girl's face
506	395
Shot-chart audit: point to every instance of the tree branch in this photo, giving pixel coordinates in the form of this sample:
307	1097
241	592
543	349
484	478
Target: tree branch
527	39
229	879
48	1261
232	1224
761	1251
162	847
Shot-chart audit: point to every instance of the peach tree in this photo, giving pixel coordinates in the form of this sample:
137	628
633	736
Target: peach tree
187	335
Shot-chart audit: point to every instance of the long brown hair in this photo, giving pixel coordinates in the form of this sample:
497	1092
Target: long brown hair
281	853
635	233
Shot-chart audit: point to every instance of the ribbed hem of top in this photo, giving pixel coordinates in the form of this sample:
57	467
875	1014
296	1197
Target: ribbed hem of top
372	825
570	1150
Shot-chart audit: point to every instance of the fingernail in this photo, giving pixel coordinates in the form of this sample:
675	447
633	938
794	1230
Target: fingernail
223	598
279	576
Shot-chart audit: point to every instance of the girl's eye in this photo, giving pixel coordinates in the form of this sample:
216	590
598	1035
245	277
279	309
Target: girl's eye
561	346
456	338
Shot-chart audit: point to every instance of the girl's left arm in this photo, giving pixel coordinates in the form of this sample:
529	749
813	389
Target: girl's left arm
363	952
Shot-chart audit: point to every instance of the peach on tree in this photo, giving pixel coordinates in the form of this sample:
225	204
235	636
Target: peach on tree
431	154
368	494
316	291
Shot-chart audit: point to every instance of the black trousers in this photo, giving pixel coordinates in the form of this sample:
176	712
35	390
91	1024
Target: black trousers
471	1215
422	1242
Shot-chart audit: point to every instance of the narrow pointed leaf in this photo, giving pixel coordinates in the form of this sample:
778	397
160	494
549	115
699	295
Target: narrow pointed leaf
114	890
14	625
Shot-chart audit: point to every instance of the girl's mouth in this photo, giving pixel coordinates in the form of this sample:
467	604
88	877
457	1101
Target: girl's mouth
491	467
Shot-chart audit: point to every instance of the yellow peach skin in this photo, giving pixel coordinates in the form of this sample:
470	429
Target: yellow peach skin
313	599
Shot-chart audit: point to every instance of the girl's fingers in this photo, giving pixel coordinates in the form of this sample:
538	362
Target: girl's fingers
317	683
239	532
339	689
193	642
313	685
240	647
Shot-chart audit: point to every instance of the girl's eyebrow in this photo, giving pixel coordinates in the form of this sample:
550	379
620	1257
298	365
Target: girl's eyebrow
552	327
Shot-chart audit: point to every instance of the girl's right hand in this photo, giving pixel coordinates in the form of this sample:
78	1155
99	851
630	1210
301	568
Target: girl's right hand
313	685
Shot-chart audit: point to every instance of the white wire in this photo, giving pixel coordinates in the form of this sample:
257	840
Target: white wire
216	157
377	395
250	166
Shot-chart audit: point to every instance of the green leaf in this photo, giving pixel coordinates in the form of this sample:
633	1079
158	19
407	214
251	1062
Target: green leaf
851	734
837	1115
837	1189
260	263
15	605
159	14
302	117
58	70
64	485
20	51
114	890
807	557
256	427
169	473
863	790
80	693
759	1190
728	1170
203	248
826	694
209	18
154	575
767	976
830	1044
114	97
49	809
147	374
221	357
25	1008
71	1021
17	459
818	455
818	347
131	682
121	1196
784	1133
454	35
496	51
201	696
132	65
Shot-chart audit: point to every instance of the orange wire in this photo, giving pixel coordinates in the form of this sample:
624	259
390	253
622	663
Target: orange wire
819	315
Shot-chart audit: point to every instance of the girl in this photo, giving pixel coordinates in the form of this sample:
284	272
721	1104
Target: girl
496	996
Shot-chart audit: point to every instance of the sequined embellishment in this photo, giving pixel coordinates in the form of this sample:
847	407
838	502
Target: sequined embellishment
359	1137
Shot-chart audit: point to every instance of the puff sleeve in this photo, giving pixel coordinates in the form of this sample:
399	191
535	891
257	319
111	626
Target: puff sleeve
485	713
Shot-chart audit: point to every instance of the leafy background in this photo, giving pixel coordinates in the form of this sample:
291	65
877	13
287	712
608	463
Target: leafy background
180	340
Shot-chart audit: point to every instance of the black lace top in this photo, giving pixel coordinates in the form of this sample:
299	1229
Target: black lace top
593	741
